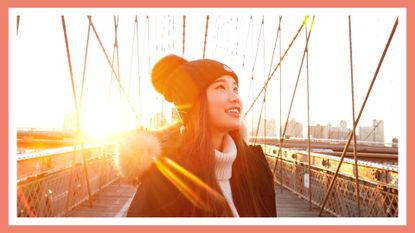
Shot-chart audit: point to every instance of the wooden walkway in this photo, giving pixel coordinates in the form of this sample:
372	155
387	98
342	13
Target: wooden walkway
114	200
291	205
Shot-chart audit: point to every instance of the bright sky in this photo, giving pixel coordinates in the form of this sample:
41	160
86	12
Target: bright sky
41	92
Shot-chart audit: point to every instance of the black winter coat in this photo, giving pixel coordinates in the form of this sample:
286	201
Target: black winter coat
156	196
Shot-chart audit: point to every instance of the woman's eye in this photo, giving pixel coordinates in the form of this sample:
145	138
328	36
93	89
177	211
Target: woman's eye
220	87
236	89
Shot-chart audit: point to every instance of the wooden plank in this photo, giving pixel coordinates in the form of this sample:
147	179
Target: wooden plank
291	205
112	201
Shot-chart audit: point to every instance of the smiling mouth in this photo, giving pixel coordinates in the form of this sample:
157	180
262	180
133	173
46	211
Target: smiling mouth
236	111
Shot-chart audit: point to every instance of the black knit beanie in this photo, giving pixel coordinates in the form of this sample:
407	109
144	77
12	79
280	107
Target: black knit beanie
182	82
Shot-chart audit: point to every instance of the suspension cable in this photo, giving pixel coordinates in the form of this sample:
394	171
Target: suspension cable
78	125
112	69
280	50
71	72
295	90
263	107
275	45
206	33
246	44
116	20
356	166
84	70
358	117
148	41
285	53
308	129
112	63
184	34
255	58
265	92
17	24
138	70
132	56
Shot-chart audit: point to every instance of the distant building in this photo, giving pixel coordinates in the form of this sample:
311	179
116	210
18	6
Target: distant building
319	131
294	129
330	132
339	133
269	130
373	133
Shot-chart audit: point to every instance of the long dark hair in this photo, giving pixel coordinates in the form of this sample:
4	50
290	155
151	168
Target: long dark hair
195	152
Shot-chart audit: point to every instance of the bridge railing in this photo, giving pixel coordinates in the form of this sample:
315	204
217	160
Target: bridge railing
378	186
57	188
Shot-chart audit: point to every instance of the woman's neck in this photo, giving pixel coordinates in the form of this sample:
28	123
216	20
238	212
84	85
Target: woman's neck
217	139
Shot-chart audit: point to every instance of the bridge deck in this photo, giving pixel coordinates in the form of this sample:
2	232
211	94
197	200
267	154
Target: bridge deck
113	201
290	204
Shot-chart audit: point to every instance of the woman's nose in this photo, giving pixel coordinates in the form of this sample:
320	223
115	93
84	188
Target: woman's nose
234	96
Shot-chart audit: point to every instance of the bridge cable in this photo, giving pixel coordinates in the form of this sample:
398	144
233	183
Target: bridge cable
206	33
246	44
356	166
113	70
278	36
184	34
280	50
116	21
261	32
131	58
272	74
308	129
292	98
148	41
138	69
78	119
358	117
17	24
254	64
84	70
269	72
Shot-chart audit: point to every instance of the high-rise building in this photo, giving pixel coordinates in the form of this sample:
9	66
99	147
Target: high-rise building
372	133
267	128
319	131
339	133
294	129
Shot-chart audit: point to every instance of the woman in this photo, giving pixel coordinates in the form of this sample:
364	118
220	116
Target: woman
204	167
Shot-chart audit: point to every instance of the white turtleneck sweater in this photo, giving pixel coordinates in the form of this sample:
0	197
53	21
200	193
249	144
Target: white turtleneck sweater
223	170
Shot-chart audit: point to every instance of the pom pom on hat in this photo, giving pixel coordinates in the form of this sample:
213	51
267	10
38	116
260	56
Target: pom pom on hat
163	69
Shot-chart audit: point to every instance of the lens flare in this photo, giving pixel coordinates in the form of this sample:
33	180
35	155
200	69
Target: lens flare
187	183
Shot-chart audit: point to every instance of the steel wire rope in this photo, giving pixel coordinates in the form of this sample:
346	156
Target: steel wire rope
113	70
254	64
356	166
272	74
358	117
294	93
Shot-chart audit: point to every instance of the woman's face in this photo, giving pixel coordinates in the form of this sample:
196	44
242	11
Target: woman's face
224	104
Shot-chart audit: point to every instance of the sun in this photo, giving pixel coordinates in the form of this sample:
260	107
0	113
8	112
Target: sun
103	120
